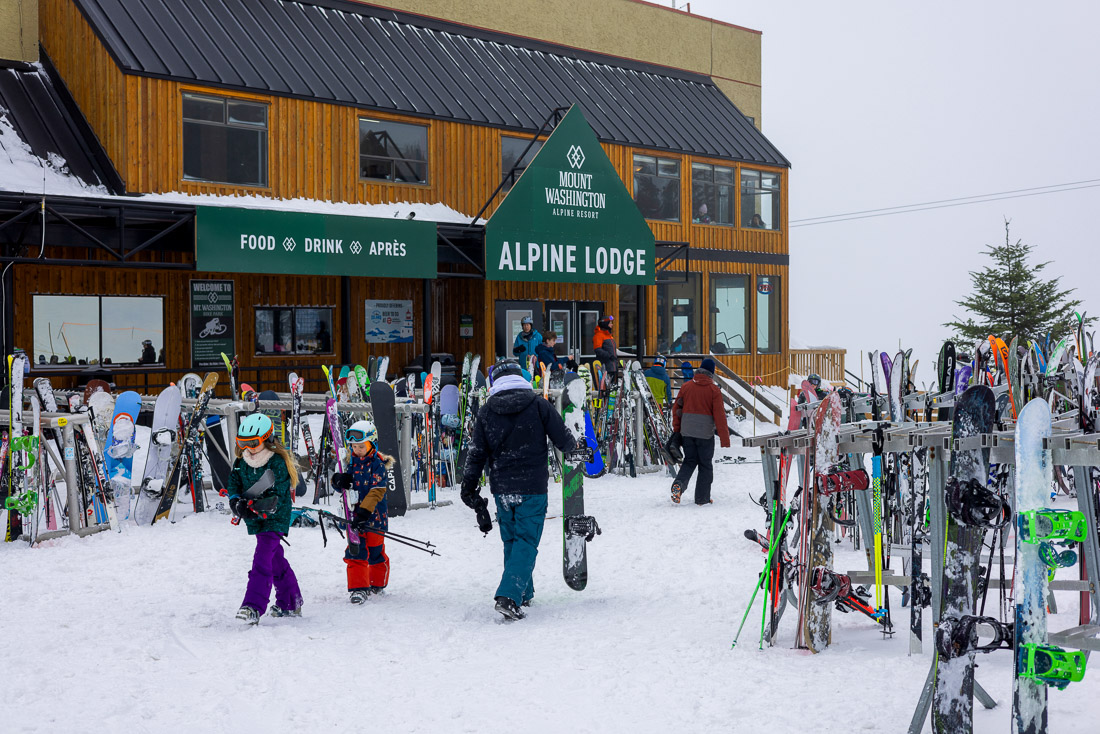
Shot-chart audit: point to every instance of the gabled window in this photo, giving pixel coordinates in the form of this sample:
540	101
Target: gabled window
393	151
224	140
657	187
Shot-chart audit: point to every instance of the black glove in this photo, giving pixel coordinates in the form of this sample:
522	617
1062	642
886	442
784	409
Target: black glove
361	520
341	481
481	510
470	495
240	508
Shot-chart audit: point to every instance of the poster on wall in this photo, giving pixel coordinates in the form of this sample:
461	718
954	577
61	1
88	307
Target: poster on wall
212	322
389	322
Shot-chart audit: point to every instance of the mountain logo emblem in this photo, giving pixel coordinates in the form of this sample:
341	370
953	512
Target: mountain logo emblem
575	156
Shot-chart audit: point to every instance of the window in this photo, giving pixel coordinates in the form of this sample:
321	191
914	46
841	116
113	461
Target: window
759	199
626	326
657	187
679	321
293	331
711	194
510	150
393	151
98	329
767	314
729	314
224	140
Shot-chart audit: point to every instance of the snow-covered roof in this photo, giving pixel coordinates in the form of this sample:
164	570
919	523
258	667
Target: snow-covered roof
23	171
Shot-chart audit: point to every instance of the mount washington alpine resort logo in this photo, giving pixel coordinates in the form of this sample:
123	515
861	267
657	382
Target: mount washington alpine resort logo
575	156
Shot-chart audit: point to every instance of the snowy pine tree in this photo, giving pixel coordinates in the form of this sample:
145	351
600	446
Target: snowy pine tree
1011	299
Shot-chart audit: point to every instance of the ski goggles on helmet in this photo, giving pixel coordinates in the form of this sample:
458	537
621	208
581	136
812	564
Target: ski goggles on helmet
356	435
253	442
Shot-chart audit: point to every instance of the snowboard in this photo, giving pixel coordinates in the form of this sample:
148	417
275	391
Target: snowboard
577	528
385	420
946	375
188	439
17	365
120	447
1033	479
162	437
953	694
816	631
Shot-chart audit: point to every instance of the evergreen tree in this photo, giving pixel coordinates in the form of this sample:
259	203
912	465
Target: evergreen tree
1010	298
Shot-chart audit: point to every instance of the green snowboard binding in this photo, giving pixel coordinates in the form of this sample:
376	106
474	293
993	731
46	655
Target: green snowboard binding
1050	665
1037	526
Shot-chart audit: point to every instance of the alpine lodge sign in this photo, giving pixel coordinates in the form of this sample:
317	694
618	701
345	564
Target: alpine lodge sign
569	219
235	240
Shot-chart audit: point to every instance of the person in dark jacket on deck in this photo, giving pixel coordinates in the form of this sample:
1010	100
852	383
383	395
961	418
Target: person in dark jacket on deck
604	346
546	356
509	439
697	415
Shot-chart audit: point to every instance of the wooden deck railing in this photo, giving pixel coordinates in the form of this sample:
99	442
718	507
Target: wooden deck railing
828	363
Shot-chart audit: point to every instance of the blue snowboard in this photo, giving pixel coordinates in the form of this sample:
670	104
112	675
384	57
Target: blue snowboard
118	452
596	467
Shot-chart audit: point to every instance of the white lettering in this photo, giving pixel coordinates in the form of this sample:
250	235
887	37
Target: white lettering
641	262
616	261
628	262
505	257
601	260
532	255
570	258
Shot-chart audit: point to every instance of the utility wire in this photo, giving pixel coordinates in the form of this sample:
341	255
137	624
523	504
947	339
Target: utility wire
946	203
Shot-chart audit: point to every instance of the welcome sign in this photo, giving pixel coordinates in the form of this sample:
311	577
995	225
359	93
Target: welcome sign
569	219
235	240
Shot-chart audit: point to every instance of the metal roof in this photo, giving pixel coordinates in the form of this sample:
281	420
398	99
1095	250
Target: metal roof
364	56
46	118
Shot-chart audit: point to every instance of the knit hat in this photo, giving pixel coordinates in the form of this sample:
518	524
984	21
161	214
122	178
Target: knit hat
708	365
659	360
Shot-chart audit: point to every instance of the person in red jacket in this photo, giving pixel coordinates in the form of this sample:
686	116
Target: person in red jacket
697	415
603	344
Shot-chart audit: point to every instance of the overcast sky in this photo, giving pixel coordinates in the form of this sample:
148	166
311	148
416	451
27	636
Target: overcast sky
879	104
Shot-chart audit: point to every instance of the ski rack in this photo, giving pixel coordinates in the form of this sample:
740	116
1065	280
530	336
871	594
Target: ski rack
65	424
1069	447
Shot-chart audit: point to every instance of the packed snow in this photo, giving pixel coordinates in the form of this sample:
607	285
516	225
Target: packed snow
135	632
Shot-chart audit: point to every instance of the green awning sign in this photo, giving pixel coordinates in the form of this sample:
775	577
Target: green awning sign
569	218
236	240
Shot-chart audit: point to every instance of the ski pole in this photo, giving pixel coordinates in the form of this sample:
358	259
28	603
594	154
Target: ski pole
759	582
423	545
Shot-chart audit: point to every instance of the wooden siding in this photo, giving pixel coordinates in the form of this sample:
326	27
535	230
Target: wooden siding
313	153
89	72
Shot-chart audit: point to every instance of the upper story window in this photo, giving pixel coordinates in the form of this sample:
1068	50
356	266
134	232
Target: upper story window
124	330
510	151
393	151
759	199
711	194
224	140
657	187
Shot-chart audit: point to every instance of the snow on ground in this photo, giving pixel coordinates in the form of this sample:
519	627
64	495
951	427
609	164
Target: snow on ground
134	632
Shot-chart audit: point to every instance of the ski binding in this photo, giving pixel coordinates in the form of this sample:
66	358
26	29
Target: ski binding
1050	665
1037	526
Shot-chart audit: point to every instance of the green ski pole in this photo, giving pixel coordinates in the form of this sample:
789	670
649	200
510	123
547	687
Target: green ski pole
772	545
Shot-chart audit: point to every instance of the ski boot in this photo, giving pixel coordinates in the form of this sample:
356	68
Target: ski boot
1036	526
677	490
360	596
278	611
509	609
248	615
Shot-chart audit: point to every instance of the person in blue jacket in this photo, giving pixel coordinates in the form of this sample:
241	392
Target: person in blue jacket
526	342
509	438
687	370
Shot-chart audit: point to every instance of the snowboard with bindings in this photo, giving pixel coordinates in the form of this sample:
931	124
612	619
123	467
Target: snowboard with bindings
189	438
953	691
162	438
385	421
577	528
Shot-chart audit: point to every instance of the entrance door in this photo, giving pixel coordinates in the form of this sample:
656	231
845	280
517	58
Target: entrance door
574	323
506	324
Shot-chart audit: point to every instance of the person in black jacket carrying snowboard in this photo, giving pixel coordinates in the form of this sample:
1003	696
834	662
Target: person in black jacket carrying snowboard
510	439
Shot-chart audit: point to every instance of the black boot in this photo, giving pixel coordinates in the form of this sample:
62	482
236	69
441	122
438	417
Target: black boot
509	608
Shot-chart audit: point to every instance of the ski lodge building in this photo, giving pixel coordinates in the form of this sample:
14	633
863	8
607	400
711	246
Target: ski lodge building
308	182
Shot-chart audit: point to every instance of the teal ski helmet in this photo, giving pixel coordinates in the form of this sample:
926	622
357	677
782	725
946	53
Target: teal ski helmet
253	430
